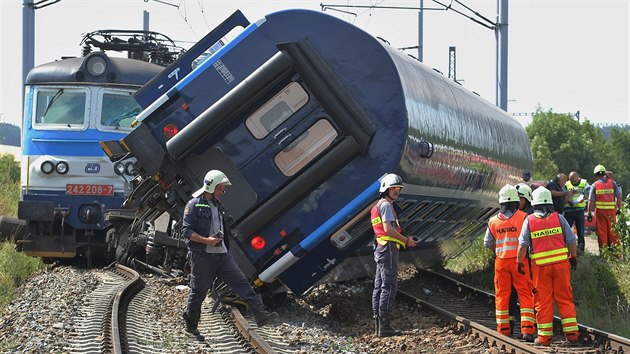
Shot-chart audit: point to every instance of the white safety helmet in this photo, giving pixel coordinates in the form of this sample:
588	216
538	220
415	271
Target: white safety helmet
508	194
524	191
599	169
390	180
211	181
541	195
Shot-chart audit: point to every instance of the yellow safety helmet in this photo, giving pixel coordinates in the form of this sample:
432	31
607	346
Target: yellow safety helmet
541	195
508	194
599	169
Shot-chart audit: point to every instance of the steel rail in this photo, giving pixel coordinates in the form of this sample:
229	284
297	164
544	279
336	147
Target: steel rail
611	343
117	343
249	333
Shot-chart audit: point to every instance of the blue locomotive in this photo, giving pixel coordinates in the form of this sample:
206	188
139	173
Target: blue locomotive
305	113
67	182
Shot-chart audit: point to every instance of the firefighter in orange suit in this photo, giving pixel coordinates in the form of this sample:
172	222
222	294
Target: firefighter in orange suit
606	198
553	251
502	236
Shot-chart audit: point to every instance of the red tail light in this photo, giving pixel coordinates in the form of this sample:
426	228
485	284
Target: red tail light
258	242
169	130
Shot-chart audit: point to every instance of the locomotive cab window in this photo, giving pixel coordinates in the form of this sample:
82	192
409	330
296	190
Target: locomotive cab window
305	147
60	108
118	110
277	110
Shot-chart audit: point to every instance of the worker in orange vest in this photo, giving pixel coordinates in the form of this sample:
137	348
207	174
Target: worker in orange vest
502	236
553	251
605	199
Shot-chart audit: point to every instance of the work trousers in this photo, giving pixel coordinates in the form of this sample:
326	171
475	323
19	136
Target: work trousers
604	221
205	267
553	283
386	278
577	217
506	276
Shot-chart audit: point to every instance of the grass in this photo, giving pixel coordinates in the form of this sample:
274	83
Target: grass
9	185
15	267
601	285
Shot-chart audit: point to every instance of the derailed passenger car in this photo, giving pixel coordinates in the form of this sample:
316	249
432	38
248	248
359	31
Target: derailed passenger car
304	113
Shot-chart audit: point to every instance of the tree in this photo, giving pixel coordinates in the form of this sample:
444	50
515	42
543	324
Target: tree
565	143
618	149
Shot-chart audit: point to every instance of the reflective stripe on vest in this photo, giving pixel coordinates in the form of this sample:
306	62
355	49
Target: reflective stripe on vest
506	232
580	188
548	245
377	225
605	194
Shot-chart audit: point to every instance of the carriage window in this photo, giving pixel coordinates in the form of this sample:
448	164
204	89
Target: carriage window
276	110
119	110
305	147
60	107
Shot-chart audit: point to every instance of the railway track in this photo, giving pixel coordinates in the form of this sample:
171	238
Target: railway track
114	320
473	310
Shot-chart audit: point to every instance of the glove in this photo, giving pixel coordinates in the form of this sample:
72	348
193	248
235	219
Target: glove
589	217
618	211
573	262
520	268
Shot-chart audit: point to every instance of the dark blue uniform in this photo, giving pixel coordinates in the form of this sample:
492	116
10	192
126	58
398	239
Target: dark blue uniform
206	266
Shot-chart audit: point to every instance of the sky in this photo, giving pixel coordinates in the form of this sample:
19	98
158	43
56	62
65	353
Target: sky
563	55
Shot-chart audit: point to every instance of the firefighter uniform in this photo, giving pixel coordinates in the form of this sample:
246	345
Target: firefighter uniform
502	234
605	193
548	236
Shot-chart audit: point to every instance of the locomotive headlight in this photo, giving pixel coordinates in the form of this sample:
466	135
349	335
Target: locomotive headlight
96	65
62	167
47	167
119	168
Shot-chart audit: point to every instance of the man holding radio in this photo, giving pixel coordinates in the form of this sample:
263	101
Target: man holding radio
204	229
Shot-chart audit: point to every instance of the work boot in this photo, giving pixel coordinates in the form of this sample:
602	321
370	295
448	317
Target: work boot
261	315
191	327
528	338
376	318
538	342
384	327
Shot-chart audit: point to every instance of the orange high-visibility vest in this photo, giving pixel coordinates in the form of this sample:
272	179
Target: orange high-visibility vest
506	232
548	245
377	225
605	194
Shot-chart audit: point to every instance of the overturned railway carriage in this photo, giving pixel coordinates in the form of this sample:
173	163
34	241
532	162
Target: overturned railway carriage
304	113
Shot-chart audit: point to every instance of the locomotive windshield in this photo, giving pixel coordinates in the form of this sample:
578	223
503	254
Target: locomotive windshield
118	110
61	107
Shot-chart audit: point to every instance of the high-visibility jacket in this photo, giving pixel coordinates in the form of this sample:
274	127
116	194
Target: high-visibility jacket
548	246
506	232
379	229
580	188
605	194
